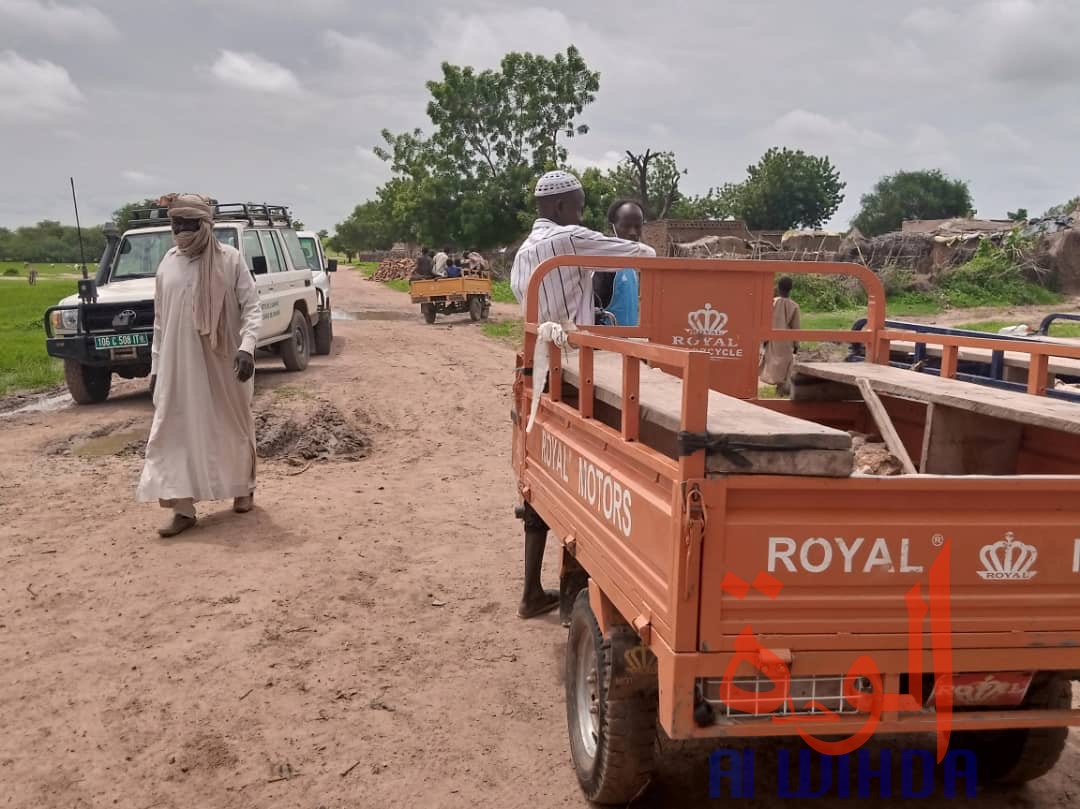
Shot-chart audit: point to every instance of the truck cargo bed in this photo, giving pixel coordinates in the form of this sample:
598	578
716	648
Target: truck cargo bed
758	441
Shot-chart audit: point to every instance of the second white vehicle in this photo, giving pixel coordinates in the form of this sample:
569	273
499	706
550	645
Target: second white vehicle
321	267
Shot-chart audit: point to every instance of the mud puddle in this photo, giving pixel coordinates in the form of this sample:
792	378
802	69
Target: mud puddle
120	438
131	442
39	403
309	430
373	314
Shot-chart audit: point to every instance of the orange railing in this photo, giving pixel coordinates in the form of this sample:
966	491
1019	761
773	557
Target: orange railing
876	337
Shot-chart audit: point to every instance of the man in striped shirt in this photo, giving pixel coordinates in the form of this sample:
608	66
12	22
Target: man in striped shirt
566	293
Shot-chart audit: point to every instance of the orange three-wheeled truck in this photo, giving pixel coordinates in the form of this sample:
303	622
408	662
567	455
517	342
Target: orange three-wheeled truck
727	573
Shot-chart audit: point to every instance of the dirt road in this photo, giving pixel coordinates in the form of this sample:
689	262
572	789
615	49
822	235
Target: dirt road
352	642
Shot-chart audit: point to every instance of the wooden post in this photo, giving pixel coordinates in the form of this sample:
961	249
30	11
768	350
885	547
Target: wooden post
950	359
588	398
631	396
1037	370
885	425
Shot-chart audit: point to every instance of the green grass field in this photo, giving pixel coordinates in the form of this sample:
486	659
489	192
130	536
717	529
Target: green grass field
500	292
24	365
17	269
510	331
1059	329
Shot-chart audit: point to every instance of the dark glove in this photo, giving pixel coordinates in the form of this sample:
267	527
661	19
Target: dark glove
244	365
153	383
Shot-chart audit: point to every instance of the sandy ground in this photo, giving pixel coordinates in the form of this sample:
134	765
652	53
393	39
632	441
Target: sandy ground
352	642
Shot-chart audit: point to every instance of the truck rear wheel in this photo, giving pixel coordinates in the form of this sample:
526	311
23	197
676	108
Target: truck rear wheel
324	334
86	383
612	740
296	350
428	311
476	307
1013	757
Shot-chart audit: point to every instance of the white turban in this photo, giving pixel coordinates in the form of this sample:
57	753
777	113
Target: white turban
557	182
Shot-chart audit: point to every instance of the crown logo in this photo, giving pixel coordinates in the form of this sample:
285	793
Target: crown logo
707	321
1008	560
640	661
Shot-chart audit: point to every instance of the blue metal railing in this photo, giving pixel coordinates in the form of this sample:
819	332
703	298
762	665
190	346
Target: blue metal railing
981	373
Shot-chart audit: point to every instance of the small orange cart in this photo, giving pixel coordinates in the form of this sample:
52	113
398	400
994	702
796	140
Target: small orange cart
447	296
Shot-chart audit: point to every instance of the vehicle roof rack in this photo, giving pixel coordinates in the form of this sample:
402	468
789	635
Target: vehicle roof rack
249	212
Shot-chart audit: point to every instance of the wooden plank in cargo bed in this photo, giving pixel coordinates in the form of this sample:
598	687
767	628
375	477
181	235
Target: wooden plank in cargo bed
1053	414
791	446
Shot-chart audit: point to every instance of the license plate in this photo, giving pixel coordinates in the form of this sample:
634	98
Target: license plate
1002	688
121	341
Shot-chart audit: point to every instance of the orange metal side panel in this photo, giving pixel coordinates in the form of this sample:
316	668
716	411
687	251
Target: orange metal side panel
618	512
690	310
847	551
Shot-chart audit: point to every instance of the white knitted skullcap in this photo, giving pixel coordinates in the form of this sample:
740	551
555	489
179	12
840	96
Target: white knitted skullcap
556	182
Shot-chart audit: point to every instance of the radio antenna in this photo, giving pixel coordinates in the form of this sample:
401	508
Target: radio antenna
78	227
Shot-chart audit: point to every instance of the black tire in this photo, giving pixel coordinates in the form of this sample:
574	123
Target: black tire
1014	757
87	384
612	741
428	311
296	351
324	334
486	310
476	307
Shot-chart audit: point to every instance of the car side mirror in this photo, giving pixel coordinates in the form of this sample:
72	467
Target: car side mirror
258	265
331	265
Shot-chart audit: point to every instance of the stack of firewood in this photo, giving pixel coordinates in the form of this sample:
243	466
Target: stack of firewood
391	269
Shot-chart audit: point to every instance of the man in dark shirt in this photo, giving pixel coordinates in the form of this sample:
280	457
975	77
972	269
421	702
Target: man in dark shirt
424	265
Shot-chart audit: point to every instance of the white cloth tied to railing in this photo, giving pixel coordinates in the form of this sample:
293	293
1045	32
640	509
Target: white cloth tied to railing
547	335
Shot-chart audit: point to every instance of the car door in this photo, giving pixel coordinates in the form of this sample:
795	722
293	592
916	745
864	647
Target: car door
255	257
280	311
296	277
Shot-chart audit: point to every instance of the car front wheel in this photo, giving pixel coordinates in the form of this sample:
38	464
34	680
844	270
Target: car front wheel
296	349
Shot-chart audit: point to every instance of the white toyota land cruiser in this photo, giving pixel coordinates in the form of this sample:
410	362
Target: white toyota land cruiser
112	333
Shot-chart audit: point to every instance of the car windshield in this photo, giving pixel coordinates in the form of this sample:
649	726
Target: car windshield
311	253
141	253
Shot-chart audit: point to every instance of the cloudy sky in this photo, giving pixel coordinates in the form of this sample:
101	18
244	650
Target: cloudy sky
282	101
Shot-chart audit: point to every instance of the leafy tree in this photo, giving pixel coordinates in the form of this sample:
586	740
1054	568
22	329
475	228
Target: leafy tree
600	192
366	228
786	189
652	178
1019	215
912	195
323	234
494	131
488	122
1063	210
51	241
707	206
123	215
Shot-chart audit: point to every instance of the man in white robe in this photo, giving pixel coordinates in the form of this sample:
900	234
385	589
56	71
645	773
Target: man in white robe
206	323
